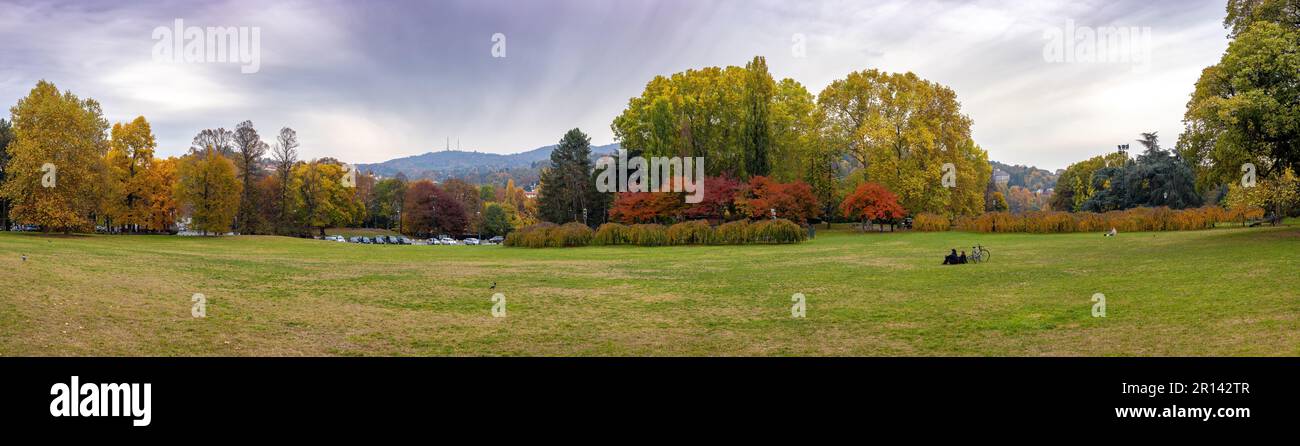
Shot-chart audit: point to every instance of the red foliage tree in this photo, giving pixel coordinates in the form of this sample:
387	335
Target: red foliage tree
872	202
793	201
428	209
719	199
647	207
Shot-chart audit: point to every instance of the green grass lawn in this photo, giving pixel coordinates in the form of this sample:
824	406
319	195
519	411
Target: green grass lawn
1218	292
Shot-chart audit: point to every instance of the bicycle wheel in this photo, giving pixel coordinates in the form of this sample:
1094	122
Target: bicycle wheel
984	255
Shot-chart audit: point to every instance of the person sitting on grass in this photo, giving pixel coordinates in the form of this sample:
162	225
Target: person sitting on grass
962	259
950	259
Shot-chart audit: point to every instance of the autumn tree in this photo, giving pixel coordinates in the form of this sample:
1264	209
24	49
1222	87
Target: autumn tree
902	131
207	186
6	137
1246	108
469	199
1000	202
762	196
647	207
249	150
719	201
870	203
59	138
159	194
219	139
1075	186
430	210
130	160
737	118
283	156
319	199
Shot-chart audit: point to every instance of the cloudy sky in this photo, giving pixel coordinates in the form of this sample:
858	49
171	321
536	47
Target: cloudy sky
370	81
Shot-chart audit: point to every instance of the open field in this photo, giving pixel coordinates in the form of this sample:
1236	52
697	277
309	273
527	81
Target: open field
1219	292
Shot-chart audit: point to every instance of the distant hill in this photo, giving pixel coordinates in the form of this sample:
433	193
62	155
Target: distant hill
476	167
1028	177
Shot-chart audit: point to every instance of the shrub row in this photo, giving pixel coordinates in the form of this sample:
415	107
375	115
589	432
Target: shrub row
1136	219
550	235
927	222
697	232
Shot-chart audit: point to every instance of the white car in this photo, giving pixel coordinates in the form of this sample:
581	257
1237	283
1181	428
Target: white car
471	241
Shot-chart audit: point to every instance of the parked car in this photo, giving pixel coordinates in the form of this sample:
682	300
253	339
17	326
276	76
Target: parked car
471	241
449	241
404	240
496	240
354	239
366	240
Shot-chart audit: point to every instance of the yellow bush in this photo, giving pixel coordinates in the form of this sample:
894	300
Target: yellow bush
927	222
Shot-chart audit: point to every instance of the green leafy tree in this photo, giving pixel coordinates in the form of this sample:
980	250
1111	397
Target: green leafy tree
757	139
1243	13
496	221
1075	186
390	196
1246	108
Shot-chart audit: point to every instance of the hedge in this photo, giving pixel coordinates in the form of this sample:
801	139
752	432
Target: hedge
1131	220
697	232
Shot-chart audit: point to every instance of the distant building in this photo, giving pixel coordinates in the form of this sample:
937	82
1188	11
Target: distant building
1001	178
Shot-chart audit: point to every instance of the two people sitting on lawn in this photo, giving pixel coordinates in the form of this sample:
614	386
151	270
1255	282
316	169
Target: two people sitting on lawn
954	259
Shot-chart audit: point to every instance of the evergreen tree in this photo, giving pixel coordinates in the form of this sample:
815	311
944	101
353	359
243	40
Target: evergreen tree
569	186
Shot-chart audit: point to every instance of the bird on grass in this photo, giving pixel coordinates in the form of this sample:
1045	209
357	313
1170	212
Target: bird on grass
494	286
24	257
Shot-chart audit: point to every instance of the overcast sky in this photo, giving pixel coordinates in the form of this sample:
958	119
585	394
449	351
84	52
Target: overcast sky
374	80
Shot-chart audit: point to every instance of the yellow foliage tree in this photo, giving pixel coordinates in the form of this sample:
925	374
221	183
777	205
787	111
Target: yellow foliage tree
904	131
129	161
207	187
55	174
319	199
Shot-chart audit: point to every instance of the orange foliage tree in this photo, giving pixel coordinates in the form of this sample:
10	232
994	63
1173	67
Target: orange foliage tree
872	202
792	201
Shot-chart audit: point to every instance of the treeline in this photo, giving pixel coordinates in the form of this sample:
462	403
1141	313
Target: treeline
897	130
1052	222
1240	147
695	232
63	168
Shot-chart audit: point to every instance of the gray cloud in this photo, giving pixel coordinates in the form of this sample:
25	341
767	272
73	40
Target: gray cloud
369	81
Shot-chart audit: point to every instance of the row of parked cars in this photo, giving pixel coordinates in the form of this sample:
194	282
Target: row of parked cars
401	240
